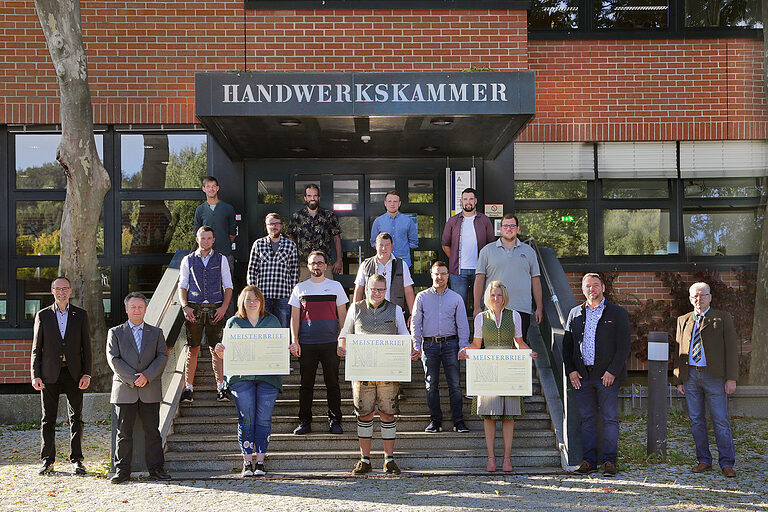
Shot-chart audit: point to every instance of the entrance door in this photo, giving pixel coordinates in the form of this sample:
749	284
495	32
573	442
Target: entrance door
356	198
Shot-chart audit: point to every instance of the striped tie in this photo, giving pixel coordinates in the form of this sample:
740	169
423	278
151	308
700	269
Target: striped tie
696	341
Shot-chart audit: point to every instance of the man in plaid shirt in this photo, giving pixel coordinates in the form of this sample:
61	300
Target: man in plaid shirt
274	268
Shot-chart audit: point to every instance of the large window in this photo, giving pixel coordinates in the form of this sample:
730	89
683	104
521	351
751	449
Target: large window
610	14
36	165
723	13
160	160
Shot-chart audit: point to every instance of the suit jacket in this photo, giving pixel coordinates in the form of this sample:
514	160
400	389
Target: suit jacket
721	347
612	341
48	346
124	359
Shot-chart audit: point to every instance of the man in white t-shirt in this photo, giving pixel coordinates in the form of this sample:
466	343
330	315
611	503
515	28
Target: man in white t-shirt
394	270
317	310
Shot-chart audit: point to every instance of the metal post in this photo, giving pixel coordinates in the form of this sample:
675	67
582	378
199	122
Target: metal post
658	357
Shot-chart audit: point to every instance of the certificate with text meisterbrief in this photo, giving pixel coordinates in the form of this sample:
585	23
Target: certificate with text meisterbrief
256	351
499	372
378	357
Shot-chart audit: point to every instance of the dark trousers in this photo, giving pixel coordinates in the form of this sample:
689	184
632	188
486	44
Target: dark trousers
311	355
593	400
49	397
153	443
432	356
525	319
281	309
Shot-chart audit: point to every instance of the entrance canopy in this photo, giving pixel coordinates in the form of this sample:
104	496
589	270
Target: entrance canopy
324	115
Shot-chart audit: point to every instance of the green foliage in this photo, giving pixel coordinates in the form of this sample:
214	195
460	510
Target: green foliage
635	232
25	425
414	197
549	230
550	190
47	176
187	168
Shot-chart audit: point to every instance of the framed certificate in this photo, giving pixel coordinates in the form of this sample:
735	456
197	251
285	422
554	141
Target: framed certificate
256	351
378	357
499	372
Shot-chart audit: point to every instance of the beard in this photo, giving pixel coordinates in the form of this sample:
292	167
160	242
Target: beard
312	205
317	272
468	208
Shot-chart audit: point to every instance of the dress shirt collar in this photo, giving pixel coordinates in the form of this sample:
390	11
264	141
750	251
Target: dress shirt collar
140	326
599	306
60	312
696	315
434	290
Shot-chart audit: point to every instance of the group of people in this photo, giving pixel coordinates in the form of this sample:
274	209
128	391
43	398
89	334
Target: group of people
502	274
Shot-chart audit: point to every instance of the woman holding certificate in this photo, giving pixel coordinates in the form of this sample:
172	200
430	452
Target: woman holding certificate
499	328
254	395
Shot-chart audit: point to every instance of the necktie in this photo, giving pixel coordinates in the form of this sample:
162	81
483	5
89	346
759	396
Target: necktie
137	337
696	340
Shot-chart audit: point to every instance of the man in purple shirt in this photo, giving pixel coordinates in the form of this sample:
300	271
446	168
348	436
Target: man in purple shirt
440	330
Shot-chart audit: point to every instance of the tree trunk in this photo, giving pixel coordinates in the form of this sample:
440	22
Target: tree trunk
758	365
87	180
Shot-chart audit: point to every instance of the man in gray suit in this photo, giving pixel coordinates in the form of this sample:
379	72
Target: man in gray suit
137	354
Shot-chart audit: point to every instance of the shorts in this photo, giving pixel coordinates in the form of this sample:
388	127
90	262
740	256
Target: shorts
204	315
369	395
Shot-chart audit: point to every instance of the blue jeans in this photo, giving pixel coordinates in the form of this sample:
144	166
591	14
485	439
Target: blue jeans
281	309
702	389
432	355
463	284
255	401
594	399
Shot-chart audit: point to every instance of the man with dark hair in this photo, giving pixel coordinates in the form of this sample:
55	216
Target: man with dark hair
440	329
515	264
394	270
317	310
375	315
221	217
595	350
405	236
274	268
205	291
61	363
315	228
137	354
465	234
706	369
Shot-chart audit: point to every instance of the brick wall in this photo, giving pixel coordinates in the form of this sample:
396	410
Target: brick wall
14	361
143	56
647	90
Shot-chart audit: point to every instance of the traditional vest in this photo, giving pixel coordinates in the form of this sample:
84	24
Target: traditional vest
397	289
205	281
381	320
502	336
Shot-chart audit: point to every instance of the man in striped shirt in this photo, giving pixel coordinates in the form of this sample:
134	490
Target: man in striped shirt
318	308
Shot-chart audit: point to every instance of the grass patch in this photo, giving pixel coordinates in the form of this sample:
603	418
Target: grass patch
106	421
633	441
25	425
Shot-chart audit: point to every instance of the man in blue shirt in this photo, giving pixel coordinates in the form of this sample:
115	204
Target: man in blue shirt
400	226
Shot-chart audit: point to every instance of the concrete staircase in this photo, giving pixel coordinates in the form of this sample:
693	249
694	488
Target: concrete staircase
204	437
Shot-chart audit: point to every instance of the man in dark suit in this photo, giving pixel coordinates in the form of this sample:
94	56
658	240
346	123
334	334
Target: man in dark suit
61	363
706	369
595	350
137	354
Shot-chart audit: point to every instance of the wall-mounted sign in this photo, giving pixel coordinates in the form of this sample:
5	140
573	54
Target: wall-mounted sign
494	211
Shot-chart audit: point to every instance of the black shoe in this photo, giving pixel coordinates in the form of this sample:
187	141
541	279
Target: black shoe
119	478
302	429
186	396
334	427
361	468
434	427
259	469
459	426
158	474
45	468
391	467
222	395
79	468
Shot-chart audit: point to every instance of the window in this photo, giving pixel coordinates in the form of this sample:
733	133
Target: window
38	228
553	14
721	232
620	14
635	189
160	160
36	165
636	232
154	226
566	230
723	13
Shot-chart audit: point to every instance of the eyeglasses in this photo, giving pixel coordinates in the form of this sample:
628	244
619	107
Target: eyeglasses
317	264
508	226
62	289
378	290
274	223
440	274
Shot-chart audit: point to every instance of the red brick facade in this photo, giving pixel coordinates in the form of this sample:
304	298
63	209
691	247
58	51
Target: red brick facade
14	361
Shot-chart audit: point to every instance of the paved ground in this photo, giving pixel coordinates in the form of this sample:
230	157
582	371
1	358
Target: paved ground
642	485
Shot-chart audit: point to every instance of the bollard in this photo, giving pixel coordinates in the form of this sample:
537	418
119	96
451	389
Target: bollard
658	357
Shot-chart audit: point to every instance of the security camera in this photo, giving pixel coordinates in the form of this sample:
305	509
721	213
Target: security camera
365	138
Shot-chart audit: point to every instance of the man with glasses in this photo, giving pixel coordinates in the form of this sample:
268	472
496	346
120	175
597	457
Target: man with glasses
375	315
317	310
274	268
61	363
440	330
394	270
314	228
514	264
706	369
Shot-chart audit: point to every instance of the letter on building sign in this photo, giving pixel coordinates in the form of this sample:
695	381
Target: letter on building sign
382	95
417	94
398	92
435	94
479	92
458	93
247	95
263	92
343	93
499	92
283	98
362	93
230	93
304	92
324	93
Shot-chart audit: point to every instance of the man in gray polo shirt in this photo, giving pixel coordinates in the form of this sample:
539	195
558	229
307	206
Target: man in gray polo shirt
220	216
515	264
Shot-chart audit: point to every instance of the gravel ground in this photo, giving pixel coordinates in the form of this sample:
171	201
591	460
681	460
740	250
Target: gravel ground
643	485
